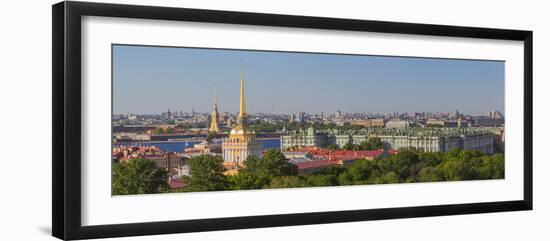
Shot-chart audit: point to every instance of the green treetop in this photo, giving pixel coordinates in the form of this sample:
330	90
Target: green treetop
138	176
207	174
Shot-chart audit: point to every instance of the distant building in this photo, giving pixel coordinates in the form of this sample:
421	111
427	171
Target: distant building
299	117
304	138
495	115
427	139
435	122
229	122
399	124
480	142
378	122
213	149
499	139
131	137
167	115
364	123
444	123
369	122
338	114
487	121
493	118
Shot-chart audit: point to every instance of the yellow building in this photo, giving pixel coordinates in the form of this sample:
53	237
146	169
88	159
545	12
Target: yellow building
369	122
378	122
242	141
215	119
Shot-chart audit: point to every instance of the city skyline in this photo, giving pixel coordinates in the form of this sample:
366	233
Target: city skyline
151	80
174	112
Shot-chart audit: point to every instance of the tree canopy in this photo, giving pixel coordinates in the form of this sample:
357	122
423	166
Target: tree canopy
406	166
138	176
207	174
415	166
258	172
372	143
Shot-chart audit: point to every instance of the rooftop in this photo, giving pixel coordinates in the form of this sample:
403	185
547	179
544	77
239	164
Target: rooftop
315	164
440	132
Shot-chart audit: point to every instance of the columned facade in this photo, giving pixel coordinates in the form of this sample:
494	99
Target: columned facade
464	138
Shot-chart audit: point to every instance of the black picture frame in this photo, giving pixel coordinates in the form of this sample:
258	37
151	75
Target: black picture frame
66	75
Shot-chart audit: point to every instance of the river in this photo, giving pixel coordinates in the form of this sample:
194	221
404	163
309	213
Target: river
178	146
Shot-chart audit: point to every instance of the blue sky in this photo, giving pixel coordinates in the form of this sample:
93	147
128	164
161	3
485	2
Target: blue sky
153	79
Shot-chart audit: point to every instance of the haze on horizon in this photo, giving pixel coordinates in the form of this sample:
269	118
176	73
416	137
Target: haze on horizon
150	80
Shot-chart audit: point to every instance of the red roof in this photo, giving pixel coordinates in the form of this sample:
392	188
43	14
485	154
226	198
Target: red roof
316	151
346	155
374	153
118	155
325	158
315	164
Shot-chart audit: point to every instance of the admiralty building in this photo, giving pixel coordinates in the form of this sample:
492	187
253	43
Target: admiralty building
242	141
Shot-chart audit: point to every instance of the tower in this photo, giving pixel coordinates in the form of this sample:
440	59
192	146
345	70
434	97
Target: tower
215	117
241	119
458	119
242	141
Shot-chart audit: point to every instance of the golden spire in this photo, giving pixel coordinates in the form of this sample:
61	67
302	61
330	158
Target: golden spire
215	96
242	105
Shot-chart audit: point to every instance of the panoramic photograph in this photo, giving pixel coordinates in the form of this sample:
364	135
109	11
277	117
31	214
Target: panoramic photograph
200	119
